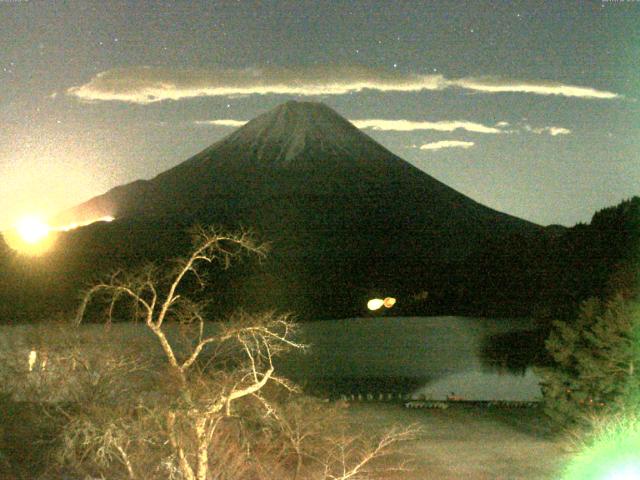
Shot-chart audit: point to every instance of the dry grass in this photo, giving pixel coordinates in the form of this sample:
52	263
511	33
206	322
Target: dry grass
470	443
462	442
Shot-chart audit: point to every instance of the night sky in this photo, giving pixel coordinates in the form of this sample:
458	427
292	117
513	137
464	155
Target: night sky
527	107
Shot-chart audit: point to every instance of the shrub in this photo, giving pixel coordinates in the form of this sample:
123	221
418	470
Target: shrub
595	362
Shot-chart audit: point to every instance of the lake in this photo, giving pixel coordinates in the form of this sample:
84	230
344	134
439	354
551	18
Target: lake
430	356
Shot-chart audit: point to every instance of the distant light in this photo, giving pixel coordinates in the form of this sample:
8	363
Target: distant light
32	229
33	356
389	302
375	303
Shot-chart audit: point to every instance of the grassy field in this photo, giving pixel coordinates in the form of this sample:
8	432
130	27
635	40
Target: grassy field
462	442
469	442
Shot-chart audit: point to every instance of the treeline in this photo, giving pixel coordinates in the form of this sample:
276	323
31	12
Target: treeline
544	273
554	278
548	275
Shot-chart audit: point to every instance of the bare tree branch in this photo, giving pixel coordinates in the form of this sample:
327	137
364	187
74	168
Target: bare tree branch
210	380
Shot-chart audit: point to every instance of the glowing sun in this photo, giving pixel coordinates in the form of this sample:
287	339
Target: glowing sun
30	236
32	229
33	236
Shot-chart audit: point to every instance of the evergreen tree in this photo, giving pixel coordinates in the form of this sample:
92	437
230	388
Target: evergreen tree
596	361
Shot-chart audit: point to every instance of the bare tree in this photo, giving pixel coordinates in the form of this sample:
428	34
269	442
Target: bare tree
209	404
354	457
321	437
192	424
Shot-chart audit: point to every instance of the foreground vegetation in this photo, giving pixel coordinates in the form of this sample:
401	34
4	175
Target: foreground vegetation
460	443
466	442
195	408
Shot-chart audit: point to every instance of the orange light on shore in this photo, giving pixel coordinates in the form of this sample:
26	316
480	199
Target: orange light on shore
389	302
377	303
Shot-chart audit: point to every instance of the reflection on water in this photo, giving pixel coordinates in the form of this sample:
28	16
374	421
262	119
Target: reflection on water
444	354
484	385
433	356
515	351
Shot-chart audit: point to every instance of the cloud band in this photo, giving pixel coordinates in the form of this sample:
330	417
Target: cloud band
144	85
223	122
408	126
553	131
385	125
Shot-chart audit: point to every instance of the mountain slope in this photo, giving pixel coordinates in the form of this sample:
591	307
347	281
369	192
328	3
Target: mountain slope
347	218
295	141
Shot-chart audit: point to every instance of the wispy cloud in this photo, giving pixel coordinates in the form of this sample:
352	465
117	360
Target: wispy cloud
144	85
409	125
496	85
386	125
446	144
223	122
553	131
147	85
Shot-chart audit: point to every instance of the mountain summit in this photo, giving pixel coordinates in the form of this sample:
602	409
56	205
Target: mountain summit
346	217
283	134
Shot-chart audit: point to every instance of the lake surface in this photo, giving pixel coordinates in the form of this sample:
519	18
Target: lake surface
430	356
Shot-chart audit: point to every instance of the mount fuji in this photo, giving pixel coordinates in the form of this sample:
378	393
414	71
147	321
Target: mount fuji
346	218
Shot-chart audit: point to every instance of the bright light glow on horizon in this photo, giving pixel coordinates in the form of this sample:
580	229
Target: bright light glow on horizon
72	226
32	229
33	236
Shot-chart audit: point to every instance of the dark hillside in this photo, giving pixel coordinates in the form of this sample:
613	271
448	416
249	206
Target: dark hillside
346	219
